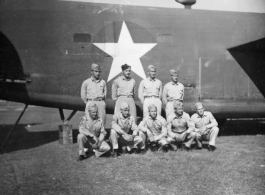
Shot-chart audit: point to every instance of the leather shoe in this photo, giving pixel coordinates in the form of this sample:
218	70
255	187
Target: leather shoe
185	148
211	148
80	158
174	147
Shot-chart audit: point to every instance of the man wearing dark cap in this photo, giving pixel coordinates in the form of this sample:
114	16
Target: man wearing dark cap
94	90
92	133
124	132
150	91
155	127
173	91
180	128
123	90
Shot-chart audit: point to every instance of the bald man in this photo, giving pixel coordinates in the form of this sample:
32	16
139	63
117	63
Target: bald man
94	91
123	91
173	91
180	128
206	127
124	132
154	127
92	133
150	91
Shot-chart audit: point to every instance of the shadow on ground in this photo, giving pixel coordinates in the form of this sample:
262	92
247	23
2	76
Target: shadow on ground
21	138
242	127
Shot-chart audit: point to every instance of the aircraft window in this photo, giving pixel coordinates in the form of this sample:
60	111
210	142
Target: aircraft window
82	37
164	38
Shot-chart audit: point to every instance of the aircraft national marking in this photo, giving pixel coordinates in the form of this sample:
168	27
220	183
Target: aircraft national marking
126	52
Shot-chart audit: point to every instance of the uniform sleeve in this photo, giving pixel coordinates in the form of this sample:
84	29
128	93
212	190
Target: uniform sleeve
115	125
83	91
169	127
193	119
143	126
213	121
83	129
105	90
164	96
114	90
182	92
134	126
164	127
141	91
133	88
160	90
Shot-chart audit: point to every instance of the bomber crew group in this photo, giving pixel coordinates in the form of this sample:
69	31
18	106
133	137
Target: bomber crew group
177	131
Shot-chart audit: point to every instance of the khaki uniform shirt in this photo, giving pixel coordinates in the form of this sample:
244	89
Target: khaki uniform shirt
157	126
92	88
206	119
91	127
180	124
121	124
150	87
173	91
123	87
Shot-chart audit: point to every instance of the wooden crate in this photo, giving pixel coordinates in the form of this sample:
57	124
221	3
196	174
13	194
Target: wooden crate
65	134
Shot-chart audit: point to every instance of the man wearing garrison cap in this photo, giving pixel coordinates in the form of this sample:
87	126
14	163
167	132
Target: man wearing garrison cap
173	91
150	91
123	90
124	132
94	90
92	133
180	128
155	127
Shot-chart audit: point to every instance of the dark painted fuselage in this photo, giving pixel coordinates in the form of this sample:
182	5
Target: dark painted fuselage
49	45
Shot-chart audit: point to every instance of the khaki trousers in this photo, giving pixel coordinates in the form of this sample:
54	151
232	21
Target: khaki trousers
209	136
117	141
187	140
83	140
148	101
162	141
101	109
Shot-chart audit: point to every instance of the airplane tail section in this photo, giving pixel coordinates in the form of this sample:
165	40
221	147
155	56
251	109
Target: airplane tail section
251	57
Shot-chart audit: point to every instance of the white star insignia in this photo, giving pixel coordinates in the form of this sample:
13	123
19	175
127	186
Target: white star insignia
126	52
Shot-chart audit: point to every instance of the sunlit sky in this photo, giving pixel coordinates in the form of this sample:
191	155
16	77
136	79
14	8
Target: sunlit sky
257	6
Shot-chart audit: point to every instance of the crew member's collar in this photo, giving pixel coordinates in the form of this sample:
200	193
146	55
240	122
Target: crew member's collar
122	117
124	78
150	79
173	83
95	80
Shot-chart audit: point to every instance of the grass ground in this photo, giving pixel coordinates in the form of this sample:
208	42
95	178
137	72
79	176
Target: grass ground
35	163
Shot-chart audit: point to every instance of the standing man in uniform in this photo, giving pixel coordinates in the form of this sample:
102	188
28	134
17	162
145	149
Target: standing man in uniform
206	127
94	90
173	91
124	132
92	132
155	127
123	89
180	128
150	91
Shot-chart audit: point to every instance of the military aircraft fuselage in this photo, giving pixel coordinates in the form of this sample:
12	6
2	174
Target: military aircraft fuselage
47	48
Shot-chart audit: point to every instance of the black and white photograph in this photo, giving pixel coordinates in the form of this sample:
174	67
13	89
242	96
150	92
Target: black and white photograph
120	97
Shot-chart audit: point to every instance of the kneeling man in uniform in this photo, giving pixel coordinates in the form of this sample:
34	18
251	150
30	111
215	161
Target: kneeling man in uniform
92	132
180	128
124	132
205	127
155	127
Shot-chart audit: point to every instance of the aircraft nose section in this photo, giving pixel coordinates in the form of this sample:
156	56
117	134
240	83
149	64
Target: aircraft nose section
11	71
